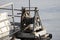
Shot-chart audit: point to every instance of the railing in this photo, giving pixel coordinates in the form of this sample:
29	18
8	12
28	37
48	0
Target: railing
12	9
9	4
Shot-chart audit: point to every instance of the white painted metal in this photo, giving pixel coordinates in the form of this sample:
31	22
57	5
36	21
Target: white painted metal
41	33
5	5
4	25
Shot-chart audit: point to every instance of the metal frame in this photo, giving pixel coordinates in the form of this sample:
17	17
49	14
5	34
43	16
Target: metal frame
12	6
12	9
9	4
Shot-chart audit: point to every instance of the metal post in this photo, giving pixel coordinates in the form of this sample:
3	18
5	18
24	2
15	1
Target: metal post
34	18
13	16
13	37
29	6
12	13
